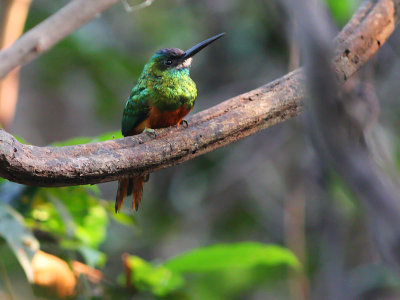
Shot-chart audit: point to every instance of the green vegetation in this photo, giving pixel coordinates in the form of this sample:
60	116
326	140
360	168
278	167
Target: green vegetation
259	219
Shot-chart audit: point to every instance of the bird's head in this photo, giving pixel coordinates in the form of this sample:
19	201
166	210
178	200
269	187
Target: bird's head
177	59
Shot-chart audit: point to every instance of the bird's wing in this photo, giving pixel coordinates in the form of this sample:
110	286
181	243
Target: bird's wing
136	111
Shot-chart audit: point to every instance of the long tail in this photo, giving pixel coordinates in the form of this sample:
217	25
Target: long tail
121	193
137	191
126	186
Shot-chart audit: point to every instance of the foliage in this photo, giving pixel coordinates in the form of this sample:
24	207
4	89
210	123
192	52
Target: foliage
160	280
265	188
86	140
167	277
342	10
19	238
72	214
231	256
78	219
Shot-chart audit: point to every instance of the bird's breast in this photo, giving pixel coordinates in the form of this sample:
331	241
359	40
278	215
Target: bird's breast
164	118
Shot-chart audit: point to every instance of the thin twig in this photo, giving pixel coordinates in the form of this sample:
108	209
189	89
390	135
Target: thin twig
45	35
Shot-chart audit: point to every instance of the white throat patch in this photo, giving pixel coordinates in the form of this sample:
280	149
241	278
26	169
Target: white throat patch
185	64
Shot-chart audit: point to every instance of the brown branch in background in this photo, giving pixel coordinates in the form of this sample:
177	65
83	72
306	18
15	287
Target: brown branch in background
294	53
294	226
128	272
13	21
208	130
338	134
45	35
294	205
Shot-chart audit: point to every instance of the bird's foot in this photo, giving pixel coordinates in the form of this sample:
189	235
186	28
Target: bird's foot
150	131
184	124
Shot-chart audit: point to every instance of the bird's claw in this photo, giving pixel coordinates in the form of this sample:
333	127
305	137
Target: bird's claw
150	131
184	124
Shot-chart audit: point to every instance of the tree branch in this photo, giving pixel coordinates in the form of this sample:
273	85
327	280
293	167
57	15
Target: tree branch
208	130
338	135
45	35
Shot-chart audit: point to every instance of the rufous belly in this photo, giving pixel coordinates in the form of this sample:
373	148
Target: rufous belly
160	119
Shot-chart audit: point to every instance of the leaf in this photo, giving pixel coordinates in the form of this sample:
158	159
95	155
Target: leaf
166	278
20	139
124	219
73	141
85	140
157	279
228	256
92	228
341	10
108	136
65	216
82	213
20	240
74	215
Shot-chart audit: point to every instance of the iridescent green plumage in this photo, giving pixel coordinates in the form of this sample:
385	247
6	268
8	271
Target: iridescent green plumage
163	95
164	88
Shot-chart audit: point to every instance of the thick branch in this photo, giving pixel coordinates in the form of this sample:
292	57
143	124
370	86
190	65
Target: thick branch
42	37
218	126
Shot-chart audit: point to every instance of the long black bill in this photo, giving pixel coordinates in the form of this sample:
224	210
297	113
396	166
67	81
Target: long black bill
200	46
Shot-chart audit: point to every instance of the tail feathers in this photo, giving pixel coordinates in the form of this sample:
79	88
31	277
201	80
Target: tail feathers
130	187
137	191
121	193
127	186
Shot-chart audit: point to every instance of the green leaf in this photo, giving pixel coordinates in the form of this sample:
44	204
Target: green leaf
228	256
72	213
73	141
124	219
341	9
85	140
89	218
108	136
157	279
20	139
20	240
91	230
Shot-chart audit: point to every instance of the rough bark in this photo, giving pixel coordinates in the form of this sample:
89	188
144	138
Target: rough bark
218	126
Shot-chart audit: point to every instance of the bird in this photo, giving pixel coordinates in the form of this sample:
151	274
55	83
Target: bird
163	95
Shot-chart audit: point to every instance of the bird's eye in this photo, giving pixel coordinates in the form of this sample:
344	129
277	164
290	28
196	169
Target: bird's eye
168	62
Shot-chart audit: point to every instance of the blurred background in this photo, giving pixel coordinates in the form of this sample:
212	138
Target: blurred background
308	231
